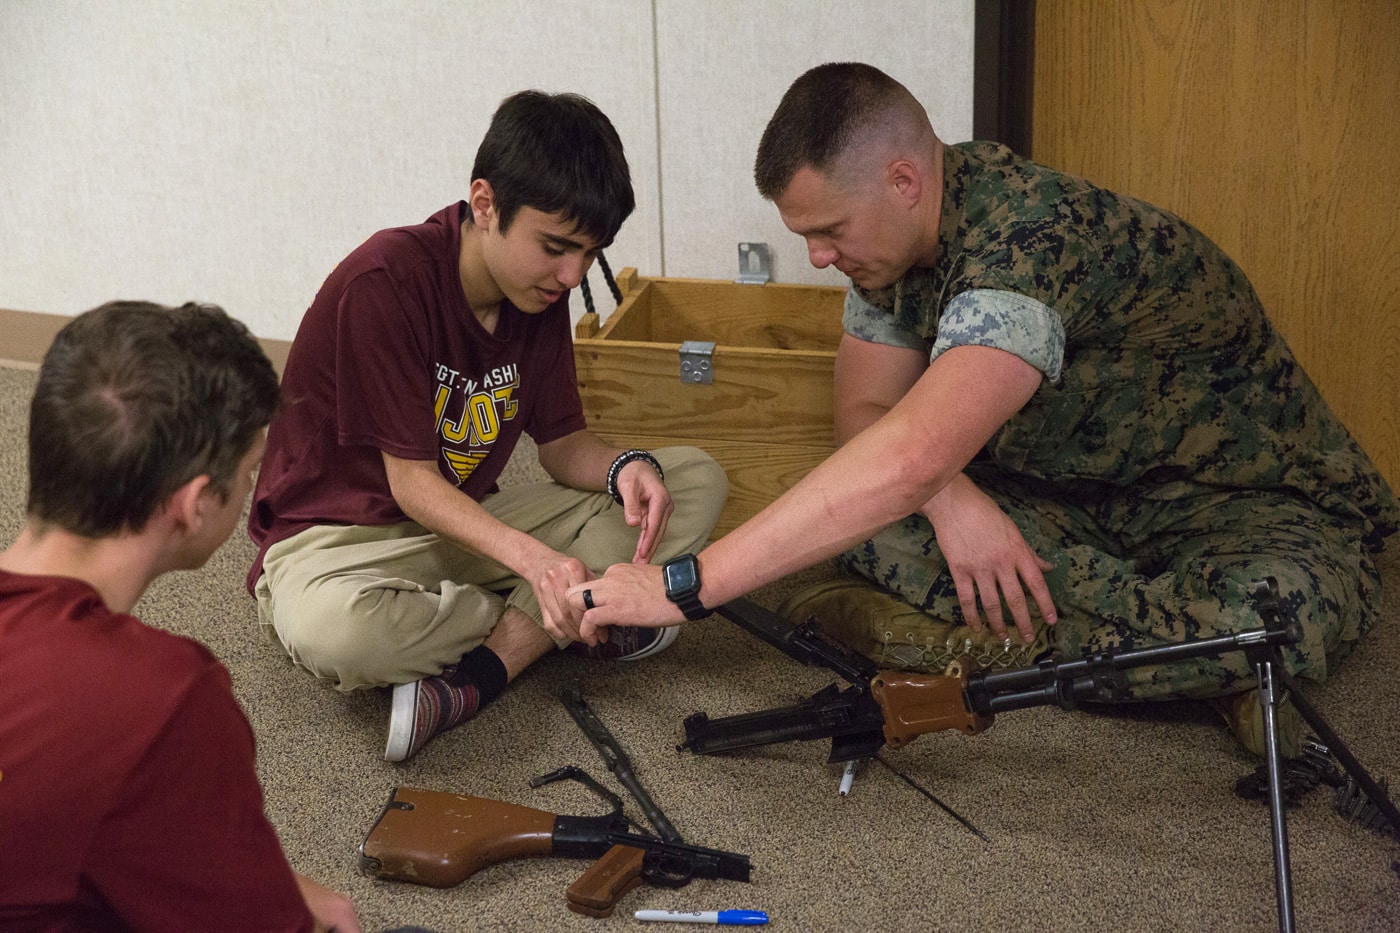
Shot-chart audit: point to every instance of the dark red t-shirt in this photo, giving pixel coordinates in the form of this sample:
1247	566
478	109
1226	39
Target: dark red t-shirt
389	357
128	792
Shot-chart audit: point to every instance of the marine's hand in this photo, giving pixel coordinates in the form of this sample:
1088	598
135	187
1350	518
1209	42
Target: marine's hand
333	911
646	505
989	560
626	594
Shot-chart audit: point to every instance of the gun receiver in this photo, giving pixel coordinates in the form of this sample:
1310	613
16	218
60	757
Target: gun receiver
441	839
893	708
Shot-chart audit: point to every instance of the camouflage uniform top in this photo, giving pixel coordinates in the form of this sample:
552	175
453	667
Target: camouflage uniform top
1160	363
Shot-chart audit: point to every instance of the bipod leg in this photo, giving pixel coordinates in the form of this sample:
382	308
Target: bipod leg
1268	703
1337	747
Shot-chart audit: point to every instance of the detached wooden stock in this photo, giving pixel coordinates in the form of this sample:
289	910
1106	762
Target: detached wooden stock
915	704
441	839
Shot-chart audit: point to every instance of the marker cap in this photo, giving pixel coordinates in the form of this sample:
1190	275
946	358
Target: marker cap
745	918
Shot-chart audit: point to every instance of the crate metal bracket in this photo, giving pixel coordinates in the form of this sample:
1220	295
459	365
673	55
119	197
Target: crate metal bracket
754	263
697	361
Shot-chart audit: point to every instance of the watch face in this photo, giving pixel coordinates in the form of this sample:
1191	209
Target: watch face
681	578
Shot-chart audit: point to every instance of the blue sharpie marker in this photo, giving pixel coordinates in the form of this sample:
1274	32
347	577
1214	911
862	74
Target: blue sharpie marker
742	918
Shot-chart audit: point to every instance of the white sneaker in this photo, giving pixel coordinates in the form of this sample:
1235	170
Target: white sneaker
423	708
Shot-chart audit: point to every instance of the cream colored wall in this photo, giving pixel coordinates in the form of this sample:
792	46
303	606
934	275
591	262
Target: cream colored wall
234	152
725	66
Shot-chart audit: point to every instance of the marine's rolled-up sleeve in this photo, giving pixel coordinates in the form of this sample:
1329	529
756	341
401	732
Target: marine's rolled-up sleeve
1009	321
865	321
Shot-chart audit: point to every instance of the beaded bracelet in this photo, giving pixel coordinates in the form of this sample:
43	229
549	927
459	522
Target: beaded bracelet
624	458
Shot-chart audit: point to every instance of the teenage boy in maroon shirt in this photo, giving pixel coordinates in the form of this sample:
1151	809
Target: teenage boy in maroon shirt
388	557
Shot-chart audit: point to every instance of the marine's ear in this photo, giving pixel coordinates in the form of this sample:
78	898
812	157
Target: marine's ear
904	177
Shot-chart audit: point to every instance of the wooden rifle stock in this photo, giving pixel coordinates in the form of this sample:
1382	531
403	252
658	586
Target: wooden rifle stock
441	839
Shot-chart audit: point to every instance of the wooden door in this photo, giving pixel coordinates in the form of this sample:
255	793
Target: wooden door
1274	126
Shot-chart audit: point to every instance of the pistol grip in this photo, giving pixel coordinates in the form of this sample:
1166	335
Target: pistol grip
597	891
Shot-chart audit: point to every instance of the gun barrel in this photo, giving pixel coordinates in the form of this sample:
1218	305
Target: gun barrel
1064	681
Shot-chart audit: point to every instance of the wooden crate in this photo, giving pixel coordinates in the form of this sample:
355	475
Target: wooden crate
766	416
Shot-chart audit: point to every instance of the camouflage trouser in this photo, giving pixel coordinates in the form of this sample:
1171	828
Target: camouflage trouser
1142	567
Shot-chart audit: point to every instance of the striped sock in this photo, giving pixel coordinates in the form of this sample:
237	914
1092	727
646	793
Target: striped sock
440	706
424	708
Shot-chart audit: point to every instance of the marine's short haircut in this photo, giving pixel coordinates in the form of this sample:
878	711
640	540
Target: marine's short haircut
557	153
822	114
134	400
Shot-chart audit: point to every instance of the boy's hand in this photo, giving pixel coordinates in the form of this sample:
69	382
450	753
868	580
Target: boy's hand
559	616
333	911
646	504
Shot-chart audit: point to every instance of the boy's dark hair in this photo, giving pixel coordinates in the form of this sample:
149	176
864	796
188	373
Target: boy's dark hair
136	399
557	153
822	113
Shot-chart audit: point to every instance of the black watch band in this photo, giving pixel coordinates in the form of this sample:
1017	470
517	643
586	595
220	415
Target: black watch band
692	607
682	578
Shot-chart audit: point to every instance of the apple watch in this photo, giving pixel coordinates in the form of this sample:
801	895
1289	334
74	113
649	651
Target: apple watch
682	577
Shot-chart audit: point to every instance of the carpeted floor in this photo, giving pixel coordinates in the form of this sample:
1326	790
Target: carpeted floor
1124	820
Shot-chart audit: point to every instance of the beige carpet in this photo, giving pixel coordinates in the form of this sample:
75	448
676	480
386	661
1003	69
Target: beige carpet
1124	821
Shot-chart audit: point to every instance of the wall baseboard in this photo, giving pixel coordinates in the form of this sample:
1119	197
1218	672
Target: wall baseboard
27	335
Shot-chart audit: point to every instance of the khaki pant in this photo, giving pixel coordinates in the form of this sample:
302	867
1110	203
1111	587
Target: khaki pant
367	606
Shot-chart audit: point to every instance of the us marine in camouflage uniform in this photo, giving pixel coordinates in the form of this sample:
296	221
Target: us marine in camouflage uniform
1047	394
1175	453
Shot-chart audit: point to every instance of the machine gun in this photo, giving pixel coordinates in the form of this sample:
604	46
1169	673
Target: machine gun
882	707
886	707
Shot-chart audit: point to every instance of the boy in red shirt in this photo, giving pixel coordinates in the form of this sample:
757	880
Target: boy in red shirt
145	429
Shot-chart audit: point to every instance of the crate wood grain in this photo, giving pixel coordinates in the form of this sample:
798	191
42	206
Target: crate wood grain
766	416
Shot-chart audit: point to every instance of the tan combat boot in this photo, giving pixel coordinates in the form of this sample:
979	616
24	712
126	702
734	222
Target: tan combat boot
896	635
1244	715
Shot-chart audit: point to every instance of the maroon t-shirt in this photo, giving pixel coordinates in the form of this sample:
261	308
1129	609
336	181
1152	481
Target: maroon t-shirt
389	358
128	793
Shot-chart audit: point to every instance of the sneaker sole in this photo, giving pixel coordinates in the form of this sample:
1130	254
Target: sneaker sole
403	717
664	638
